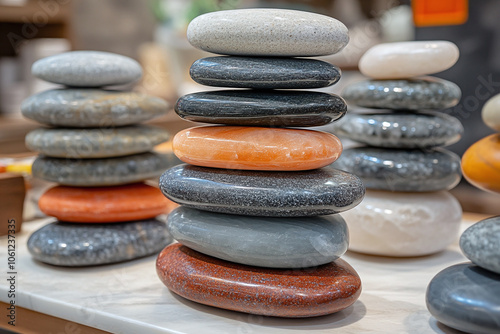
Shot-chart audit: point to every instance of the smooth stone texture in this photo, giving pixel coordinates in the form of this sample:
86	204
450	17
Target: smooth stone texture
398	170
261	108
255	148
286	194
481	163
267	32
403	224
95	143
75	245
491	113
271	292
411	94
87	69
101	172
400	130
264	72
408	59
84	108
467	298
261	241
481	244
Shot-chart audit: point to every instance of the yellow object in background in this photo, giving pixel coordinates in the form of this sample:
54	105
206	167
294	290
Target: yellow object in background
439	12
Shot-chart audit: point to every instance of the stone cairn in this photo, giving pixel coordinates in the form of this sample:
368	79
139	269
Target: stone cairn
407	210
258	204
99	157
467	296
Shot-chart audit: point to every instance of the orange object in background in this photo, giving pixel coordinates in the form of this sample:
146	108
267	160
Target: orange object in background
439	12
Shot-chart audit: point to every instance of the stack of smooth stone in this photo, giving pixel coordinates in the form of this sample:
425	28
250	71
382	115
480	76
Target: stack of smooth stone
100	157
407	210
467	296
258	204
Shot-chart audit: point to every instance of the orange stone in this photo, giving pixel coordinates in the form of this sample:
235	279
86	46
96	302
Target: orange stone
481	163
104	204
256	148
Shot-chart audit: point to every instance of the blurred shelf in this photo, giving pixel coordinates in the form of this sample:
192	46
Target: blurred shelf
41	12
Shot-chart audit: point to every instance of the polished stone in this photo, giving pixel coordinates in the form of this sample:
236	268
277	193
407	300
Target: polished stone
491	113
481	244
481	163
400	130
264	73
286	194
410	94
261	241
84	108
256	148
267	32
271	292
95	143
467	298
402	170
403	224
87	69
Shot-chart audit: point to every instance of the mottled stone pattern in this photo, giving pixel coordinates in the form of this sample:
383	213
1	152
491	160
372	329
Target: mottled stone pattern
481	244
74	245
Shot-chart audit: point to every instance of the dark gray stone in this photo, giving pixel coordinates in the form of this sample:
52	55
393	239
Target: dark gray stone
467	298
257	193
400	130
411	94
261	241
79	244
264	72
400	170
481	244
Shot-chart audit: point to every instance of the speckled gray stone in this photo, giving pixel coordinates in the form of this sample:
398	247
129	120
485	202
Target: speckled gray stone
79	244
467	298
261	241
264	73
261	108
481	244
257	193
84	108
87	69
410	94
400	130
102	172
402	170
95	143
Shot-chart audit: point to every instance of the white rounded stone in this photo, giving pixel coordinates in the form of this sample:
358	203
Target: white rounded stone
403	224
491	113
408	59
267	32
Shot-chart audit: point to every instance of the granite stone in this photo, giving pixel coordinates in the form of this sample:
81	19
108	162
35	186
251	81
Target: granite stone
256	193
400	130
402	170
261	241
481	163
75	245
481	244
409	94
491	113
264	72
87	69
84	108
467	298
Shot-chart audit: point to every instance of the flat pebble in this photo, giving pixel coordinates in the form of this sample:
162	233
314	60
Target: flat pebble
481	244
481	163
491	113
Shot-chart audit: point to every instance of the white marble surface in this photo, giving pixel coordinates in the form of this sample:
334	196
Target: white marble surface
129	298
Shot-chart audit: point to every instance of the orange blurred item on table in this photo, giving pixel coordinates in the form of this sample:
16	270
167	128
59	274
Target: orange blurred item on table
481	163
439	12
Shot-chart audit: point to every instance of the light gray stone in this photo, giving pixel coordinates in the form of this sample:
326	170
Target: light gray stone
481	244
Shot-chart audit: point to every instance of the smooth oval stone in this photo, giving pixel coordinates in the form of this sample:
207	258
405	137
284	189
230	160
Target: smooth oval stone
410	94
101	172
87	69
408	59
267	32
481	163
254	148
271	292
399	170
95	143
481	244
261	241
75	245
400	130
491	113
287	194
264	73
467	298
84	108
403	224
